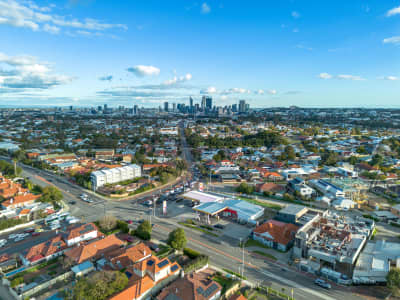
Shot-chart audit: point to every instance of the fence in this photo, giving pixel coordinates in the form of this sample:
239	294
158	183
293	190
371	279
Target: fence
46	284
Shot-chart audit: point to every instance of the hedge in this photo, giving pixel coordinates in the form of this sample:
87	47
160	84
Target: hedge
196	263
191	253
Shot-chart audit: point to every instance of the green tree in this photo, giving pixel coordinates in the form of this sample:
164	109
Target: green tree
244	188
51	194
393	280
143	231
177	239
376	160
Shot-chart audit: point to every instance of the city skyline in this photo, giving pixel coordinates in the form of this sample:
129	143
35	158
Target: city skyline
301	53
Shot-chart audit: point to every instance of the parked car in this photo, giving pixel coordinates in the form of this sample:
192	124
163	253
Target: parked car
153	247
322	283
129	222
35	233
29	230
219	226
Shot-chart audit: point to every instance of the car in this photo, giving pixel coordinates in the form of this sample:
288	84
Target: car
12	236
18	239
322	283
129	239
129	222
35	233
72	202
29	230
153	247
219	226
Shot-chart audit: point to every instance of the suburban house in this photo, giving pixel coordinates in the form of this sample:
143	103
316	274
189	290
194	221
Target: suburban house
94	250
81	233
45	251
275	234
148	276
194	286
270	187
20	200
123	258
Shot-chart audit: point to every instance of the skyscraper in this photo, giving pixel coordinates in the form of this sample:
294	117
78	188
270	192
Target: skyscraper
242	106
208	103
203	103
165	106
191	103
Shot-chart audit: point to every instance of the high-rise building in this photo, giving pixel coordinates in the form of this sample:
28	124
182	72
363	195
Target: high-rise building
105	106
208	103
203	103
174	107
135	109
234	107
165	106
242	106
191	103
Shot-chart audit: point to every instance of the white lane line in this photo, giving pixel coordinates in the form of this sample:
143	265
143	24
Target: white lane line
296	285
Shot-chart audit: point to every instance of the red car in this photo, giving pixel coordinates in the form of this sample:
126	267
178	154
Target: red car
129	222
35	233
29	230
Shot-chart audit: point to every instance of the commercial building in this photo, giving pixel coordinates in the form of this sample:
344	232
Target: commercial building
275	234
332	240
375	262
102	177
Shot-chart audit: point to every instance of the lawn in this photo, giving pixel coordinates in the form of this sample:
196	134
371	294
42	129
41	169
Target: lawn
262	203
198	229
254	243
224	282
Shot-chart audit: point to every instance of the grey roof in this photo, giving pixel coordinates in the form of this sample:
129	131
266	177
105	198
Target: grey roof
292	209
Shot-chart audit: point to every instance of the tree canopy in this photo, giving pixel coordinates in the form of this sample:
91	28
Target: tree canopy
143	231
177	239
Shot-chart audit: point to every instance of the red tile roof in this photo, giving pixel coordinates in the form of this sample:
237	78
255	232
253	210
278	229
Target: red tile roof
281	232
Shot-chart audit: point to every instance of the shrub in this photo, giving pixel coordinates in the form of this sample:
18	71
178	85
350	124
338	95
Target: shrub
191	253
197	263
17	281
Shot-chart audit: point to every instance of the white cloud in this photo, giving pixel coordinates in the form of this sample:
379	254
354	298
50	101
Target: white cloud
177	79
301	46
390	78
341	76
259	92
28	73
205	8
29	15
295	30
142	71
209	90
392	40
295	14
235	91
394	11
349	77
325	76
272	92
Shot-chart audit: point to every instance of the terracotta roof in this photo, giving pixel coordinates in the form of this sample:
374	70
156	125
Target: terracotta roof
94	249
281	232
194	286
45	249
81	230
237	297
140	285
270	187
20	199
122	258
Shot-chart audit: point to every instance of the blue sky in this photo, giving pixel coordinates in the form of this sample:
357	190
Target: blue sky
271	53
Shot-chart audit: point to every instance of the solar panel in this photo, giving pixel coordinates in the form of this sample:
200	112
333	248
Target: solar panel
174	268
200	290
208	292
163	263
150	263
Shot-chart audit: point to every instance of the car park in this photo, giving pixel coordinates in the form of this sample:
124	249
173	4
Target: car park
322	283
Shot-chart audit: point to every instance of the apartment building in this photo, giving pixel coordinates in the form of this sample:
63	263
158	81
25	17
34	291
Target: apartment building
115	175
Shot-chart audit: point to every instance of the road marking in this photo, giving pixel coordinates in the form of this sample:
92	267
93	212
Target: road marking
269	274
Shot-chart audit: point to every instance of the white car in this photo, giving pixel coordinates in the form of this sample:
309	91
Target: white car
12	236
18	239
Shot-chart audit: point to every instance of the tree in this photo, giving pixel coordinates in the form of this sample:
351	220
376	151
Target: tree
108	222
393	279
51	194
245	189
177	239
289	152
376	160
143	231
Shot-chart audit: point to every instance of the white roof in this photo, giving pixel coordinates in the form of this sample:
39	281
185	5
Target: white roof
202	197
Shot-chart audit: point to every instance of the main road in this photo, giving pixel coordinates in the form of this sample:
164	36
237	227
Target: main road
223	252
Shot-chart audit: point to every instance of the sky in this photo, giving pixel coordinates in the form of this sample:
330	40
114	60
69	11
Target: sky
309	53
